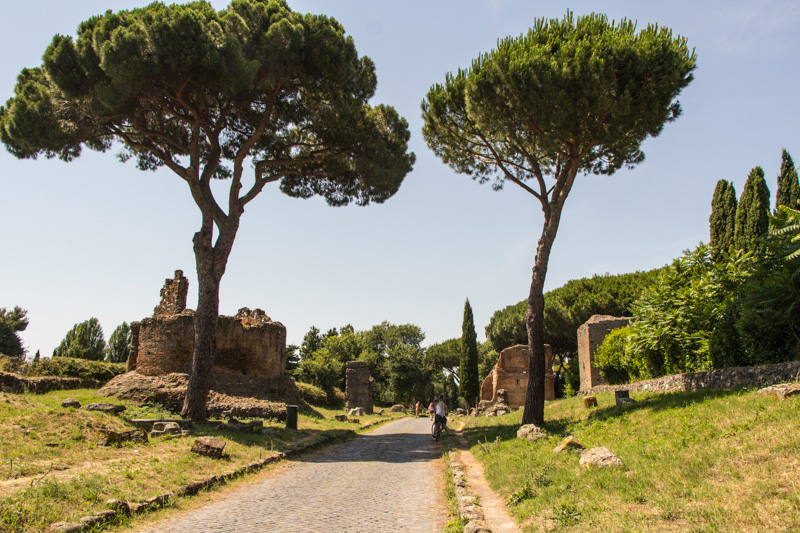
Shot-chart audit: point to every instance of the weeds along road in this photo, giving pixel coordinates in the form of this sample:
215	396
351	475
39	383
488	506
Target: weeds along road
388	479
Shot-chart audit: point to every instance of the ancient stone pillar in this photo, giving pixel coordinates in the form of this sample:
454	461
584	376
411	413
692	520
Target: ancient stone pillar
358	387
590	336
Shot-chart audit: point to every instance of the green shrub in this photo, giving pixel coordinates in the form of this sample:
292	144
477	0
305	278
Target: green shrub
63	367
613	358
313	395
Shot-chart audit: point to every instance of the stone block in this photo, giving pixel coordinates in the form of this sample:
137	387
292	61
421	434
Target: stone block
530	432
600	458
341	418
782	391
620	396
589	401
570	443
105	407
107	437
70	402
165	428
208	446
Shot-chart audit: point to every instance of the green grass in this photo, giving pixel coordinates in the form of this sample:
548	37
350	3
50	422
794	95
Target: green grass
694	461
52	470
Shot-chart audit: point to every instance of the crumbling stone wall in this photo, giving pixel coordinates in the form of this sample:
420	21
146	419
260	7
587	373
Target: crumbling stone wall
721	379
590	336
358	386
511	373
173	296
249	343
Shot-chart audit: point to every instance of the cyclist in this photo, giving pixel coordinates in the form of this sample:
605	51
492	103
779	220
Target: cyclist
441	413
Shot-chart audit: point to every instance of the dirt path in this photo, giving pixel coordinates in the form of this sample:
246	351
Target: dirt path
493	507
388	479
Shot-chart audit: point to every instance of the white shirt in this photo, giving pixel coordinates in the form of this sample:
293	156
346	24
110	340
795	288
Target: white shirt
439	409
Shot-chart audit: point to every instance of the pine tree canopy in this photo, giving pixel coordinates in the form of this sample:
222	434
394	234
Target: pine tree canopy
187	87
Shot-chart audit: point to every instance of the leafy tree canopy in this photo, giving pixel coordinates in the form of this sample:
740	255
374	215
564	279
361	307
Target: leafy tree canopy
752	213
722	222
569	306
119	344
788	192
83	341
11	324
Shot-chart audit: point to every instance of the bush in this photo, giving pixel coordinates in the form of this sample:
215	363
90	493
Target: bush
311	394
613	358
314	395
63	367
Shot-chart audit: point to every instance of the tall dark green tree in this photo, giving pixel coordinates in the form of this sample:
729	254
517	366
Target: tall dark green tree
571	96
752	213
468	380
788	192
119	344
84	341
208	94
722	222
11	324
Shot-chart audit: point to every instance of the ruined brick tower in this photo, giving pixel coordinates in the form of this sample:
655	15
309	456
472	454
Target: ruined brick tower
248	344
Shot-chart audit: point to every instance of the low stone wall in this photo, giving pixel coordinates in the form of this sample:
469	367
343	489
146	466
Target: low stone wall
723	378
17	385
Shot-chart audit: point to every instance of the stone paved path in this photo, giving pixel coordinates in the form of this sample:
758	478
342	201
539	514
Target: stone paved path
383	480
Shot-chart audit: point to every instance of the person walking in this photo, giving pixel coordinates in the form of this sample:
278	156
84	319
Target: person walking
416	410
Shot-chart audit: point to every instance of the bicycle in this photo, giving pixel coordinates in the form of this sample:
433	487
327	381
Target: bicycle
436	428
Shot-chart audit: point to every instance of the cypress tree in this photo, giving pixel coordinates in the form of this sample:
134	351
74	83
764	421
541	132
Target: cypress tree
788	192
468	368
722	221
752	214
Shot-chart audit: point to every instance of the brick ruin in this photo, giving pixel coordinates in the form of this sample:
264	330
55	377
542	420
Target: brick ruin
358	387
511	373
248	344
590	336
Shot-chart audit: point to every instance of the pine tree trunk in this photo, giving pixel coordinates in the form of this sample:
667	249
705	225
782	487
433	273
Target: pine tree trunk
211	262
534	321
534	318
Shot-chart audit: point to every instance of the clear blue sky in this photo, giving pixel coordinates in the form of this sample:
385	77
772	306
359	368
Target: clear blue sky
96	237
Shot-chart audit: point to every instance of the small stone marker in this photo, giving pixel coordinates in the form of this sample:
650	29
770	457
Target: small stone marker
782	391
356	411
165	428
291	416
71	402
589	401
105	407
208	446
398	409
619	396
570	443
600	458
530	432
341	418
107	437
354	420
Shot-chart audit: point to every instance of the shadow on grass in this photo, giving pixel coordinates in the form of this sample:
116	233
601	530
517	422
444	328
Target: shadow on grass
505	427
664	401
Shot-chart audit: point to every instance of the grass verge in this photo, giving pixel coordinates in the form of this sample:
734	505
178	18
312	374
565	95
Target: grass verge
694	461
53	470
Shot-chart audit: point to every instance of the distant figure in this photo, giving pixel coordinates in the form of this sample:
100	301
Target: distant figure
431	409
441	413
416	410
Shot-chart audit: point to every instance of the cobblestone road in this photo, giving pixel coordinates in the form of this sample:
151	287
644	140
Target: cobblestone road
383	480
